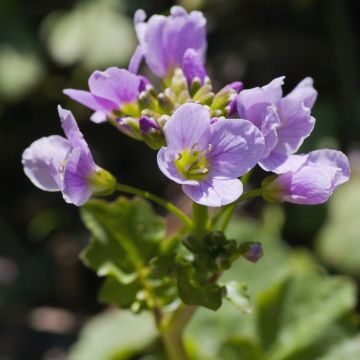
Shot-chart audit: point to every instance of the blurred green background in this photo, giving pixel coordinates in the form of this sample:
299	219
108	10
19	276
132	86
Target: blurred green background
46	294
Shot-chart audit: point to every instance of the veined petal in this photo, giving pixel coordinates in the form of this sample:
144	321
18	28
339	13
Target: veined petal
136	60
281	163
40	156
214	192
334	159
89	100
304	92
77	189
297	125
153	46
188	126
193	66
237	145
117	85
165	160
266	95
72	130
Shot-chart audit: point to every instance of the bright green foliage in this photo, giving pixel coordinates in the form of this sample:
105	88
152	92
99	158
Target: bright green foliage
126	236
299	313
115	336
195	290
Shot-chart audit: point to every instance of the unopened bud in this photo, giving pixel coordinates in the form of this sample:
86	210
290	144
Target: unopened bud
151	132
251	251
103	182
223	262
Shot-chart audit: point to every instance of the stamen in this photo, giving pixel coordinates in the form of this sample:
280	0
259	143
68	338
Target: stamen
178	156
199	171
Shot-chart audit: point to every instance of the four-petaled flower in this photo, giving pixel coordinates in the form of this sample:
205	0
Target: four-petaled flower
112	92
207	158
55	163
284	121
167	42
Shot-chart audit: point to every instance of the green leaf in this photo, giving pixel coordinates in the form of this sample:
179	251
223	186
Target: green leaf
115	335
94	33
241	348
295	314
237	293
122	295
193	290
338	242
346	350
126	235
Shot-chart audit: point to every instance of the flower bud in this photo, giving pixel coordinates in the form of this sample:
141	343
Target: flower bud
129	126
166	103
103	182
151	132
251	251
216	238
223	262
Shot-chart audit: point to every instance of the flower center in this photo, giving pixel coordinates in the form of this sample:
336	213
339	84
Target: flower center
192	163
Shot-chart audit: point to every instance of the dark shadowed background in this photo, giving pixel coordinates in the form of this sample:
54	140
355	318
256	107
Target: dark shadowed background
46	294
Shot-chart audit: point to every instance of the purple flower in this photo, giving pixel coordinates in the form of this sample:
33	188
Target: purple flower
164	42
284	121
112	90
55	163
313	179
208	158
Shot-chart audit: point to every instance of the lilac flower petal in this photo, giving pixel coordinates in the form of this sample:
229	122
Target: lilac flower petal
237	145
268	94
334	159
214	192
147	124
165	160
77	189
153	48
140	25
281	163
310	185
99	117
304	92
236	85
72	130
297	125
183	31
40	155
117	85
193	66
268	128
164	40
89	100
314	181
136	60
188	126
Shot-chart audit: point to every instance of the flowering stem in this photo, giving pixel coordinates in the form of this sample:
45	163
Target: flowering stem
167	205
228	210
200	220
173	330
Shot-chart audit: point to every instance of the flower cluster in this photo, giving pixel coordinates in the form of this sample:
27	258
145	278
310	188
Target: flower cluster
206	140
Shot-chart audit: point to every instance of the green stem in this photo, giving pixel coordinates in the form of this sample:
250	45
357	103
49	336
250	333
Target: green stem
173	330
166	204
228	210
200	220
